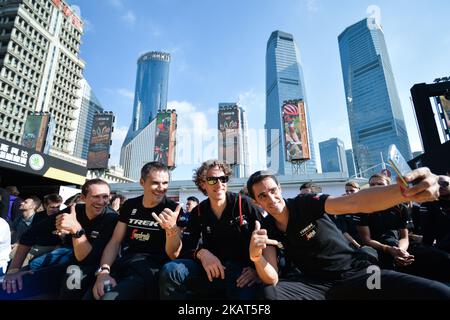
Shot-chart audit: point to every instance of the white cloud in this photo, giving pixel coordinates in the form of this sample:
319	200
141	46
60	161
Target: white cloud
311	5
128	94
116	3
129	17
88	26
118	136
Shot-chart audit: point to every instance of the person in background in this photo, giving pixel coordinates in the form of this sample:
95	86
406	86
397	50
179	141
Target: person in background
117	201
5	245
310	187
14	203
191	203
23	222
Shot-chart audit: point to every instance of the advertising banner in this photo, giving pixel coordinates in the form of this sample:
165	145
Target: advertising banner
165	138
100	143
35	132
228	124
295	131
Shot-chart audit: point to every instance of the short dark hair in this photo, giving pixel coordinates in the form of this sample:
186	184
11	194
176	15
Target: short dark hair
118	195
310	184
381	176
52	197
36	200
192	198
259	176
200	173
154	165
353	184
89	183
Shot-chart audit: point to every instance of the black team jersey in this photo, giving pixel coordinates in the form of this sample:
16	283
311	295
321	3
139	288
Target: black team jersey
313	242
228	238
144	234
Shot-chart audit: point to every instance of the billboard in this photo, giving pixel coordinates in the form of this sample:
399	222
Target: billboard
36	132
445	103
165	138
228	123
100	142
295	131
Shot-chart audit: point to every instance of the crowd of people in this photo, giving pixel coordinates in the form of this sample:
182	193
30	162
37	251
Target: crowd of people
380	242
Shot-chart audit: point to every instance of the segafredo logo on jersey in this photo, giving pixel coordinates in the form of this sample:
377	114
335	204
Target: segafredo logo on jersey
144	223
140	236
309	232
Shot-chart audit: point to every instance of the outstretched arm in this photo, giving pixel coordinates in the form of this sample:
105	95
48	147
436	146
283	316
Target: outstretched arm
426	188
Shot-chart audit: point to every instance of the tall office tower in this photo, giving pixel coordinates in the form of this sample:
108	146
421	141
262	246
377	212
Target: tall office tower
374	110
350	163
89	105
150	95
284	82
332	156
233	138
39	67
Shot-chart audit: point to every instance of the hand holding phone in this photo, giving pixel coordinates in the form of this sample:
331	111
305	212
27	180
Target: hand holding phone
399	164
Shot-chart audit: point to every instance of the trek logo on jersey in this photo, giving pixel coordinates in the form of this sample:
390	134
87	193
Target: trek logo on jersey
144	223
139	236
309	232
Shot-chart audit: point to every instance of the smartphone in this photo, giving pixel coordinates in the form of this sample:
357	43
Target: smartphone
399	164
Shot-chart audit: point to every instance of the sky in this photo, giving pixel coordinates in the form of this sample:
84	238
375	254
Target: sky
218	55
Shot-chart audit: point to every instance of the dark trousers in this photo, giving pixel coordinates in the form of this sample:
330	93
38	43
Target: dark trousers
393	286
137	279
186	279
43	283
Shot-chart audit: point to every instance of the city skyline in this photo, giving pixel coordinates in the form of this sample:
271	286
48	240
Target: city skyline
218	54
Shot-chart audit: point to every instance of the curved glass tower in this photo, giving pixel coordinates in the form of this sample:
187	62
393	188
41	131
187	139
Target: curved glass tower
284	81
151	90
374	111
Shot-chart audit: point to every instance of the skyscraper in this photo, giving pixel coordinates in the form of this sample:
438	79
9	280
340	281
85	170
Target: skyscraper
150	96
332	156
350	162
233	138
40	68
89	105
373	105
284	81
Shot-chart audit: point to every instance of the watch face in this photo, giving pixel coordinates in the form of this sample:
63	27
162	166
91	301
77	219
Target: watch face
79	233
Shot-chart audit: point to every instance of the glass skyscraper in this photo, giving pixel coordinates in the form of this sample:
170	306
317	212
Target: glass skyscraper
284	81
374	110
150	96
332	156
89	106
350	163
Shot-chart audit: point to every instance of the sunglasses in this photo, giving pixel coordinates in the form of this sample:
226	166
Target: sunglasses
213	180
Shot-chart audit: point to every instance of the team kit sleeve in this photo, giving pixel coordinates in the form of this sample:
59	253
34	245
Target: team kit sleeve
312	205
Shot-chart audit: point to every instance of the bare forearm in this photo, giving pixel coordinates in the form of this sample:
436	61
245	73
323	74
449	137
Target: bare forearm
81	248
173	243
366	201
266	271
19	257
110	253
403	244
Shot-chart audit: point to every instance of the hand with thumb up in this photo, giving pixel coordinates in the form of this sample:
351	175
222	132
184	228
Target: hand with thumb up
259	241
67	223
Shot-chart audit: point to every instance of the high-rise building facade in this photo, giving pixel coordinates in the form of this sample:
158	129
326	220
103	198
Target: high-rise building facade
284	82
40	69
373	104
233	138
152	80
350	163
332	156
89	105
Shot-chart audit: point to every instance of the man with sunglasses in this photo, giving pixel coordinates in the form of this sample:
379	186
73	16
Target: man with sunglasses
221	267
331	269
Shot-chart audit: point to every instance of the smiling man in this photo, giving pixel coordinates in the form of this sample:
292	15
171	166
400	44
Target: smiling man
82	231
144	225
330	268
221	266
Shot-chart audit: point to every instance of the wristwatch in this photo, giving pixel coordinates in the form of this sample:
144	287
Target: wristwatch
101	269
79	233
